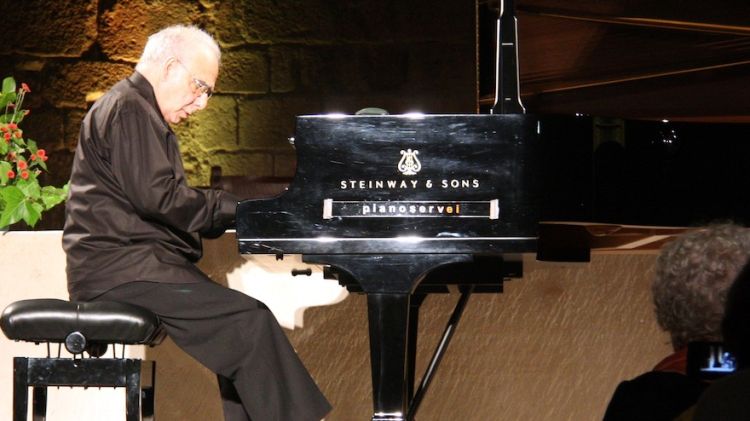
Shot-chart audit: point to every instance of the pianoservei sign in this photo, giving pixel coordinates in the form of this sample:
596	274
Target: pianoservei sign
410	208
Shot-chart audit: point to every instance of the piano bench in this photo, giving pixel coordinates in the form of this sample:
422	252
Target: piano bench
82	327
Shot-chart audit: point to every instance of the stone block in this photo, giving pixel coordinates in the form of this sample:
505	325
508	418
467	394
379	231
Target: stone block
198	164
212	129
30	65
197	171
270	21
68	84
65	28
332	69
443	78
317	22
268	123
73	120
385	67
244	72
245	163
128	23
283	69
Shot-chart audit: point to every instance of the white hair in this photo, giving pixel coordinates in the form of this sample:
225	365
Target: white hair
175	40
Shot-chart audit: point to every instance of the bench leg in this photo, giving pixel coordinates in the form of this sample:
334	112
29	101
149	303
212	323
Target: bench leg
133	390
20	388
148	391
39	403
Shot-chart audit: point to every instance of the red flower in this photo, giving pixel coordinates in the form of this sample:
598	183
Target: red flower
24	174
18	134
22	165
33	157
44	158
4	128
41	152
12	126
7	135
25	87
11	174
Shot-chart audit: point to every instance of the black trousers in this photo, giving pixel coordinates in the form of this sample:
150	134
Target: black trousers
261	378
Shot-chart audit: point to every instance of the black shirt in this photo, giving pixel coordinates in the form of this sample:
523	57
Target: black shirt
654	396
130	215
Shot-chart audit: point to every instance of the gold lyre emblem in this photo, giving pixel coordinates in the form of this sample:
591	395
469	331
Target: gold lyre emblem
409	164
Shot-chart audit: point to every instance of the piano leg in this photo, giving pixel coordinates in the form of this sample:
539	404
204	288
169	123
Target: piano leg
389	337
389	281
411	346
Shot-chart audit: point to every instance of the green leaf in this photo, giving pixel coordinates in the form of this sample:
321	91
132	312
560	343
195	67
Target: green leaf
31	145
15	208
33	213
30	213
30	187
4	168
53	196
3	147
41	164
5	98
9	85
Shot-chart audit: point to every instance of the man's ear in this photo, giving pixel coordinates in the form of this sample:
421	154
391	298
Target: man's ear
169	66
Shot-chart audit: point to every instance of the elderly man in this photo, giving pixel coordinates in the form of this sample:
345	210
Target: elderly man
693	276
133	227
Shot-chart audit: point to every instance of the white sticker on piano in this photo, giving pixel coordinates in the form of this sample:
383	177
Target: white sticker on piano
327	208
287	296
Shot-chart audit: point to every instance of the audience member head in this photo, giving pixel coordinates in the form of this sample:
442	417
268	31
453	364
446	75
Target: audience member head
693	276
736	324
182	64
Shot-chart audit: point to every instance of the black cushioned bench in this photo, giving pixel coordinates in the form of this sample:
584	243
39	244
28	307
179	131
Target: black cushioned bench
88	327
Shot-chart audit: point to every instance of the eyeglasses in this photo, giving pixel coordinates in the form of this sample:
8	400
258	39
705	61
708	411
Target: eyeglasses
200	86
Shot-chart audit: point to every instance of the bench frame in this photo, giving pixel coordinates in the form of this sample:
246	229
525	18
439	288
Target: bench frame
40	373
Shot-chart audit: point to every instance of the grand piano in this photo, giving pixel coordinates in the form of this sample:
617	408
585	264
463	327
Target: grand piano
400	206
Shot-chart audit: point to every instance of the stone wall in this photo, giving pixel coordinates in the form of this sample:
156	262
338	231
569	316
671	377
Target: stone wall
280	59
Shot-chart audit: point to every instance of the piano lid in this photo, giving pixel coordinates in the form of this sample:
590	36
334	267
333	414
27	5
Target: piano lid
679	60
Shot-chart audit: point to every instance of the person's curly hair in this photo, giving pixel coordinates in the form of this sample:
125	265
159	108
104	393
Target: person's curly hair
693	275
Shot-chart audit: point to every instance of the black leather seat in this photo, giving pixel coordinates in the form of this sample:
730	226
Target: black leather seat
58	321
82	327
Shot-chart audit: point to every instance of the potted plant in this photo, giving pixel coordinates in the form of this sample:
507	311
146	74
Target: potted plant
22	198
